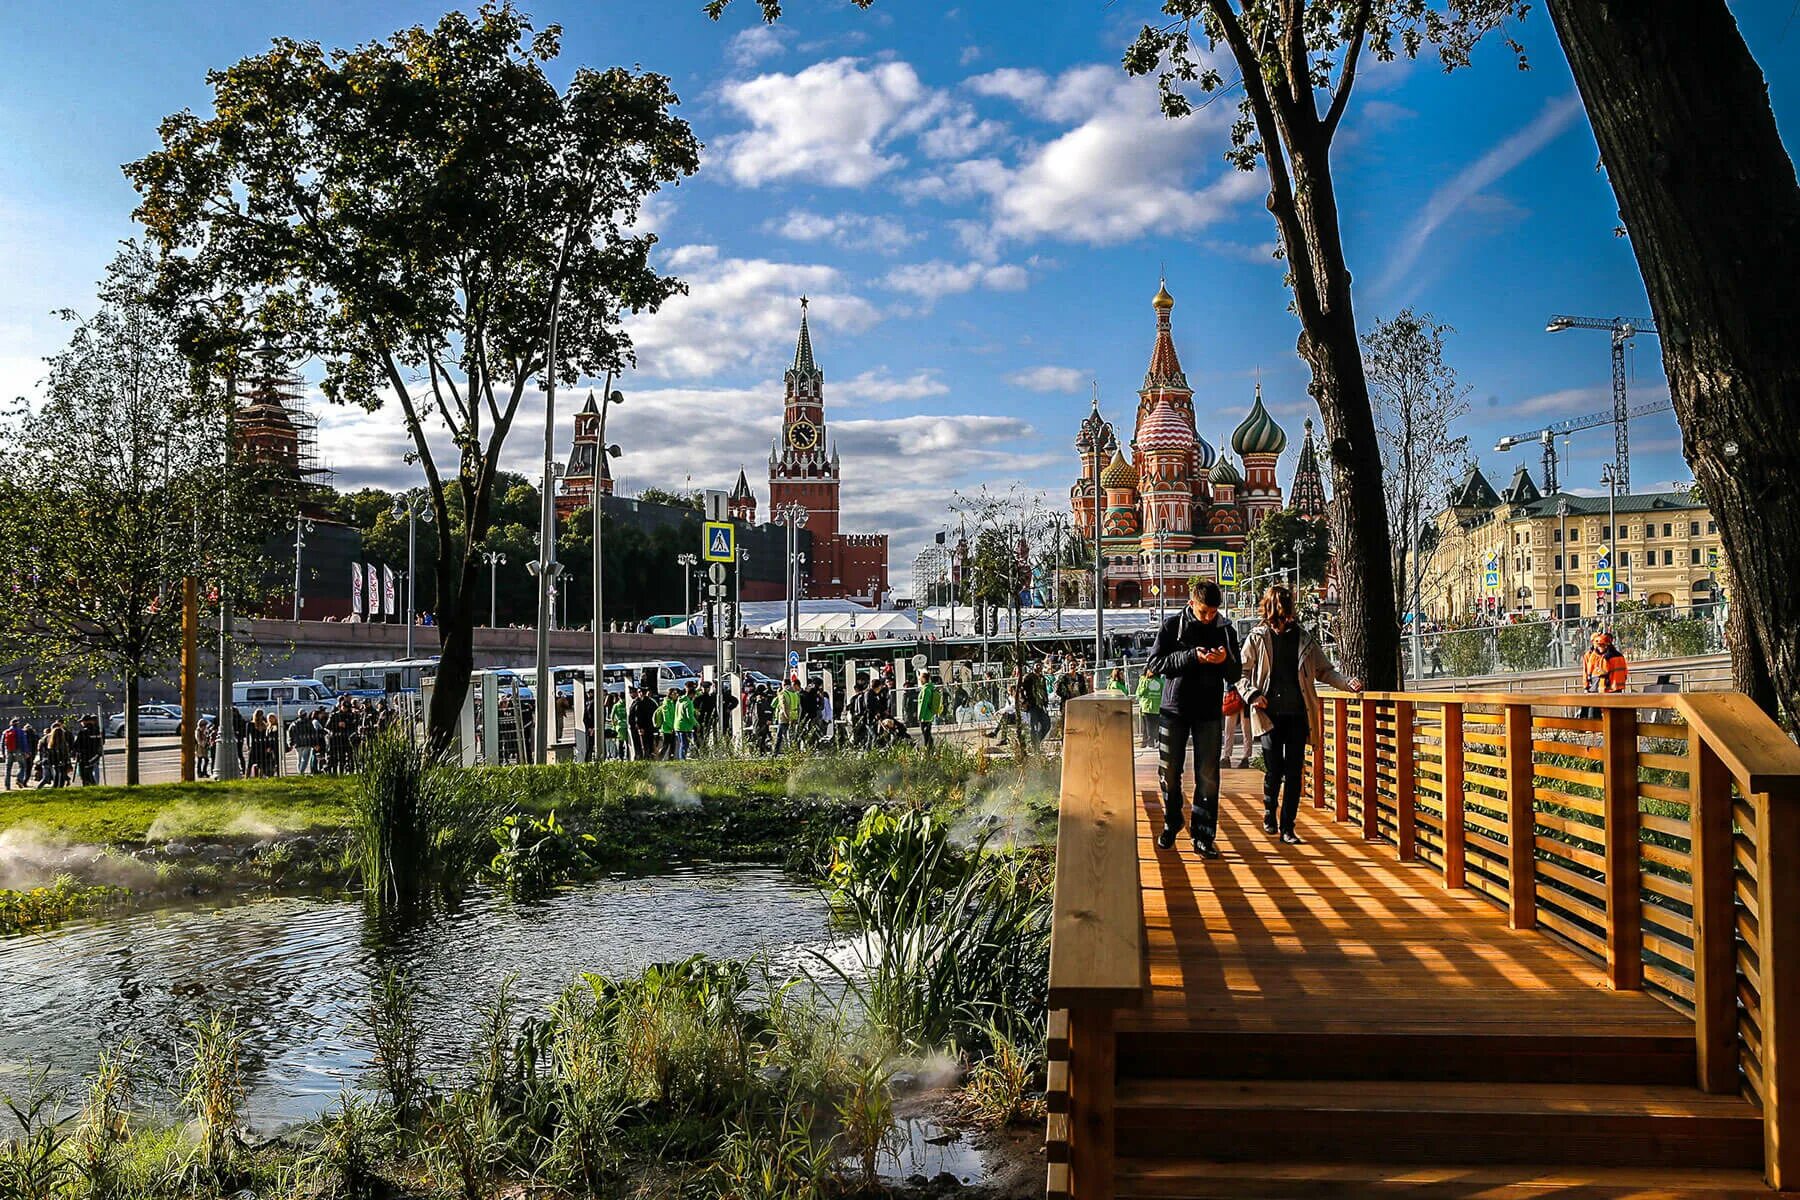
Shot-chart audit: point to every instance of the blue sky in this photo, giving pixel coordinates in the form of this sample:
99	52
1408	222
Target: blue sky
979	204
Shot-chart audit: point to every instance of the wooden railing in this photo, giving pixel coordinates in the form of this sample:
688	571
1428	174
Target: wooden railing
1658	833
1096	944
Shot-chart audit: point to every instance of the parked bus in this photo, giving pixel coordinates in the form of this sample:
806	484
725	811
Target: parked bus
379	679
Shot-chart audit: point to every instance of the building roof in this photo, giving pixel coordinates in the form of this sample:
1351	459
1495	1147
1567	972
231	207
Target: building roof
1523	489
1259	434
804	367
1096	433
1164	430
1474	491
1165	365
1224	474
741	490
1591	506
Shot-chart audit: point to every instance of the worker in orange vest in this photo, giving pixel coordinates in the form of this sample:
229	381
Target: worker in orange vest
1603	667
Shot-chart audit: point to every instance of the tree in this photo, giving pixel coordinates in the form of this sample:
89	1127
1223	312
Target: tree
115	491
1291	55
1277	536
1012	530
1417	405
674	498
1709	199
441	216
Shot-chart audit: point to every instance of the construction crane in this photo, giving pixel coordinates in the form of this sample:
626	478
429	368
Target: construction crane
1548	435
1623	329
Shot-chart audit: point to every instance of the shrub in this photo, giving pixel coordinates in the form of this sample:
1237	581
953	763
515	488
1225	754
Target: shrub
1526	645
1468	652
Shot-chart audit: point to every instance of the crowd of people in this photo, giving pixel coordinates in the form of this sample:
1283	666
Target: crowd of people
326	740
55	756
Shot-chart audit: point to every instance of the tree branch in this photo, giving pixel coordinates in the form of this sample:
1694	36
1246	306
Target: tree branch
1340	96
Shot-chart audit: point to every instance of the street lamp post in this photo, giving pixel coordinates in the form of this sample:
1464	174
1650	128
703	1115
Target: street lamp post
302	527
495	560
1610	478
737	584
688	563
412	506
791	514
602	452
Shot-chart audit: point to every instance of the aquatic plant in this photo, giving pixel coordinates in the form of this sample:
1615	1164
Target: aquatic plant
865	1118
536	853
393	1024
32	1163
1003	1086
419	822
214	1087
103	1128
63	898
780	1159
355	1139
462	1145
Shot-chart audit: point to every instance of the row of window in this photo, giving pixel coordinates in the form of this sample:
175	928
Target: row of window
1695	558
1523	537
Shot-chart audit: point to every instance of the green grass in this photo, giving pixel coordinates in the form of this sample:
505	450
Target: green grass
239	807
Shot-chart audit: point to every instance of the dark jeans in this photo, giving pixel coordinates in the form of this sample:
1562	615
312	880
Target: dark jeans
1207	735
925	731
1284	756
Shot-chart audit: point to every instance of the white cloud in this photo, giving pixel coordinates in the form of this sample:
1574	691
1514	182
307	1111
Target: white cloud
756	43
851	231
969	55
930	280
1049	379
740	313
879	387
1122	171
959	133
832	123
1468	183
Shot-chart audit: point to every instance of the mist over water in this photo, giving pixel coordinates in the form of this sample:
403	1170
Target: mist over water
297	971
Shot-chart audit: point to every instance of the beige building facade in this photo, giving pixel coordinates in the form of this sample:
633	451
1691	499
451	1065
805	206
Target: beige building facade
1520	551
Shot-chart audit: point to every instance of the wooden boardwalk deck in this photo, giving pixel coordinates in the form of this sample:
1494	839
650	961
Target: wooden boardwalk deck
1323	1019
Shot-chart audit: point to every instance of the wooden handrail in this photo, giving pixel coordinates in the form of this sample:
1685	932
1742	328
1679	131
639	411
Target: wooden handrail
1694	891
1097	962
1097	928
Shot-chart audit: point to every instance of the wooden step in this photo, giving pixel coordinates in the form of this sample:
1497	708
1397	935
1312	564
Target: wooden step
1193	1179
1446	1055
1436	1122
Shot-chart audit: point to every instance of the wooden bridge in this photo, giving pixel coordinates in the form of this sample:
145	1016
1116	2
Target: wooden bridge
1523	952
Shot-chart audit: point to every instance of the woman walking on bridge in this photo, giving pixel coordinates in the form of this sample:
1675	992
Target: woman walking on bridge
1283	664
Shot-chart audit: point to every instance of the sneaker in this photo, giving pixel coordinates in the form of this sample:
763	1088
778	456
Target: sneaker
1166	839
1292	839
1243	764
1269	827
1205	849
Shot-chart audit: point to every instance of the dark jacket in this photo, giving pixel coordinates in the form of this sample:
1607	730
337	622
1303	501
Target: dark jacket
1192	688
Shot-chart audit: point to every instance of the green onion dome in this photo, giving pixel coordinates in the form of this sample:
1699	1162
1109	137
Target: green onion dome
1224	473
1259	434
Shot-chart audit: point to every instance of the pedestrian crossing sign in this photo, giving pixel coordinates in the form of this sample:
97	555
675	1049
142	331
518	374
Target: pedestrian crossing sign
1603	574
719	541
1228	568
1490	574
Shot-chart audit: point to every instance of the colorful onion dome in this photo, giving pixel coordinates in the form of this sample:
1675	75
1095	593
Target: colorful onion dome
1119	473
1259	434
1164	431
1223	474
1096	433
1204	454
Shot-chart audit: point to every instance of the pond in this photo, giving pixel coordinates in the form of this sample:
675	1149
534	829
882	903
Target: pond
298	972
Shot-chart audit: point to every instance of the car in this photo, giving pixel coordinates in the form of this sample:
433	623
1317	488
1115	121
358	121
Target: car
152	719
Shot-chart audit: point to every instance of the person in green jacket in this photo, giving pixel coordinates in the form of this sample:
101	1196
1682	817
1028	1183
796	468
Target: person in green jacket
616	717
686	721
931	707
787	713
665	724
1149	698
1116	682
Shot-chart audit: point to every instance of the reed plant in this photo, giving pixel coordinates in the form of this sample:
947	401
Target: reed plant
103	1127
420	823
33	1164
392	1022
214	1089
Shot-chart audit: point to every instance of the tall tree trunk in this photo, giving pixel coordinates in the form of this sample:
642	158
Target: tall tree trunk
456	654
1368	632
1707	193
132	686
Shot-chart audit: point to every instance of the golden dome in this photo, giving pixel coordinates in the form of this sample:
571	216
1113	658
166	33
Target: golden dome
1163	299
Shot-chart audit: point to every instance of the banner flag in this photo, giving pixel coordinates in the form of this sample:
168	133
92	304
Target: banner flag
356	597
374	592
387	588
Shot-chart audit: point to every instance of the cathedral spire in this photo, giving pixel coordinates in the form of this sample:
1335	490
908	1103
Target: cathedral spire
1308	497
803	355
1165	366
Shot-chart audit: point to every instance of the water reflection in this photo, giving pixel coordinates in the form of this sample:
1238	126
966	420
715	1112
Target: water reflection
297	971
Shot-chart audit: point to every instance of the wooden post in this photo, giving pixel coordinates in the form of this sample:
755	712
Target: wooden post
190	674
1371	771
1093	1058
1715	922
1318	761
1340	759
1454	858
1405	782
1521	820
1778	907
1624	858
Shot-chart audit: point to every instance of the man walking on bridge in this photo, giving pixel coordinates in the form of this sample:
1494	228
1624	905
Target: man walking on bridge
1196	653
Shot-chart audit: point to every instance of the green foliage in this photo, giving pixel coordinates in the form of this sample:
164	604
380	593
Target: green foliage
32	1162
1003	1087
535	853
213	1089
419	823
34	908
104	1129
422	205
392	1020
1468	652
355	1139
1525	646
1273	542
1684	637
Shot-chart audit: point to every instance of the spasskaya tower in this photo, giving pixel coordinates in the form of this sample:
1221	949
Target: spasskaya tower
804	469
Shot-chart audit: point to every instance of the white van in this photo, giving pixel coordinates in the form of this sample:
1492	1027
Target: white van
289	695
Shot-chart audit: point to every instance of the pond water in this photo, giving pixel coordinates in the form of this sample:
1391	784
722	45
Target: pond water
298	972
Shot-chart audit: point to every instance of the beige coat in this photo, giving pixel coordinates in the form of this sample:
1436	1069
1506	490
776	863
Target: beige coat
1258	666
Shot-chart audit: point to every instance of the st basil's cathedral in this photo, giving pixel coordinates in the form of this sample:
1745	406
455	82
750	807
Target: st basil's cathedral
1171	507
